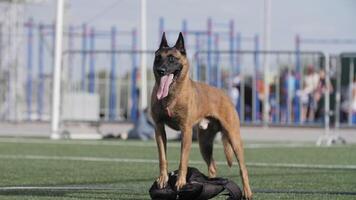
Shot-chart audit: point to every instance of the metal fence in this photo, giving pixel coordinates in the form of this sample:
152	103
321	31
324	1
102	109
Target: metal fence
295	82
242	74
114	75
345	84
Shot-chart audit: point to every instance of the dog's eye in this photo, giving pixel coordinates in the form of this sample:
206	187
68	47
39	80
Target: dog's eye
171	59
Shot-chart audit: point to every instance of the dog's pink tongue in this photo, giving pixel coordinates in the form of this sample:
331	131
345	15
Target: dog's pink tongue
164	86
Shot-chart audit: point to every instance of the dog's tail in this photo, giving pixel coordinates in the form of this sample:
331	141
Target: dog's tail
229	153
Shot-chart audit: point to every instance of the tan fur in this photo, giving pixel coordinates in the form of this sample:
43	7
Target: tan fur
229	153
189	102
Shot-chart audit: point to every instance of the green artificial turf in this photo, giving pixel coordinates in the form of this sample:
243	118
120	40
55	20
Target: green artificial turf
126	169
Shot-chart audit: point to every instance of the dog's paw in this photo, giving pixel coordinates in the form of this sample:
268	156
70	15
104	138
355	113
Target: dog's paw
247	194
181	181
212	169
162	181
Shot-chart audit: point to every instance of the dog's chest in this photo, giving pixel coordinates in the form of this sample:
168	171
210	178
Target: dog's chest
173	123
170	118
171	113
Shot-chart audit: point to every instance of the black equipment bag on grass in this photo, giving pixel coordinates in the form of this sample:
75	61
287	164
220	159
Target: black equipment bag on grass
198	187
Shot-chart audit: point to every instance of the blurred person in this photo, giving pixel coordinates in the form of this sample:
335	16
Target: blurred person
311	82
287	93
319	95
291	84
353	86
348	103
235	91
261	93
144	128
236	97
273	100
283	91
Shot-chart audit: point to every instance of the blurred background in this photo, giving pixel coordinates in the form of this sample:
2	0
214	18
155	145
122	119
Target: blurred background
76	78
284	63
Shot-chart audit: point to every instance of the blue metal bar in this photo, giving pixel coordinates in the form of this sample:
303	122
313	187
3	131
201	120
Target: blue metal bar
297	50
112	99
134	95
29	69
196	32
108	33
92	62
217	60
40	90
232	45
189	32
209	41
256	108
100	33
236	71
296	101
238	57
134	88
328	41
84	48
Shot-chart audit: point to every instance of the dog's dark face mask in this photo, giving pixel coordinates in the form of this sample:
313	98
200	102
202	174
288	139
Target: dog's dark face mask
170	65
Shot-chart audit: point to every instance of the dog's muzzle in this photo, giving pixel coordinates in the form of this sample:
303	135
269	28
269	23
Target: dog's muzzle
161	71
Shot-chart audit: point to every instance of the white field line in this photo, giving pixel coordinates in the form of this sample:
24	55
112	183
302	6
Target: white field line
145	144
56	188
131	160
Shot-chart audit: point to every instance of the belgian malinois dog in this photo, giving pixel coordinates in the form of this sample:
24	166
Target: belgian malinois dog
182	104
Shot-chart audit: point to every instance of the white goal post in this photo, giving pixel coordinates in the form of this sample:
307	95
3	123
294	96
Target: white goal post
56	97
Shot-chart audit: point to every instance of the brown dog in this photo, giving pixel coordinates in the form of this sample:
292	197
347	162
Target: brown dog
181	103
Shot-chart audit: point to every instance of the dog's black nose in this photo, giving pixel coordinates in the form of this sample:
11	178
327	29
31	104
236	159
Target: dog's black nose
161	71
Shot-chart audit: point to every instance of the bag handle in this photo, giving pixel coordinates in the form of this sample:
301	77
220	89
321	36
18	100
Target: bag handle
234	190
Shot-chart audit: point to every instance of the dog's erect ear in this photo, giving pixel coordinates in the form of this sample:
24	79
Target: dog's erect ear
163	41
180	44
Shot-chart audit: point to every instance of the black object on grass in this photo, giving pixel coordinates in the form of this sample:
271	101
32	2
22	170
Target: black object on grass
198	187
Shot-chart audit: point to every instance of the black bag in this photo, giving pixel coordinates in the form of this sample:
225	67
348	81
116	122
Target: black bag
198	187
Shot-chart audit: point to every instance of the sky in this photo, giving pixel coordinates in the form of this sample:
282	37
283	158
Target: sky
321	19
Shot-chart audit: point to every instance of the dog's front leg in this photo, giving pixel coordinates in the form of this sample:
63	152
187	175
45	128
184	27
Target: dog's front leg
184	156
161	140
